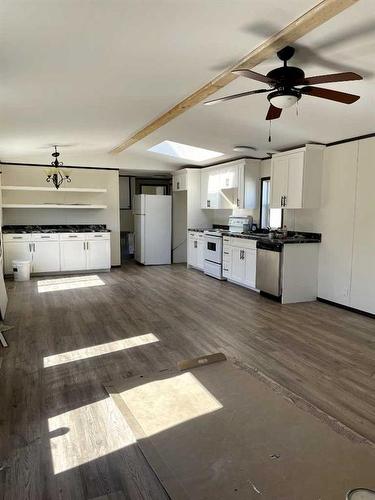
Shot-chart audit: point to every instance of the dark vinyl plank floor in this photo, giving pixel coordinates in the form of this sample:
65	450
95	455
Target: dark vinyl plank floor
62	437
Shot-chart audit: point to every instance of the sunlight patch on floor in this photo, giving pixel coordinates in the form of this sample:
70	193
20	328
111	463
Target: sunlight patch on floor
98	350
58	284
163	404
95	430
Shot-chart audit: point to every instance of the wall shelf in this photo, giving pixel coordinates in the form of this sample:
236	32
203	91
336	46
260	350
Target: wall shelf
51	205
53	189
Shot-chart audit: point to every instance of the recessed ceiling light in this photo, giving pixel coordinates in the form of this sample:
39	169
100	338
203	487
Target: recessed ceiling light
184	151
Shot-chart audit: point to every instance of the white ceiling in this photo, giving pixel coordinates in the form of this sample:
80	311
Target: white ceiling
88	73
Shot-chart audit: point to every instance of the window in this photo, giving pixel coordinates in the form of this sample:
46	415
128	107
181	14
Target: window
269	217
184	151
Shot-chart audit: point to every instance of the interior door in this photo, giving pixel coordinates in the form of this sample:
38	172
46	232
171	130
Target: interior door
46	256
295	180
73	255
279	180
98	254
16	250
362	291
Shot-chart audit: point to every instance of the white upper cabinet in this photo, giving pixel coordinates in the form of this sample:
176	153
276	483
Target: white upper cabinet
231	185
212	195
296	178
180	180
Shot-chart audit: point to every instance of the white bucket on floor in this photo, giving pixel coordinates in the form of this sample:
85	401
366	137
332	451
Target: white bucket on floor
21	270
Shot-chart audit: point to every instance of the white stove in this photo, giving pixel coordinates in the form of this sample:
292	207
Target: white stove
213	253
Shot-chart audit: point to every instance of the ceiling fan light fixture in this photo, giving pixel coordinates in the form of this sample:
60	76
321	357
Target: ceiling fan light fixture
284	98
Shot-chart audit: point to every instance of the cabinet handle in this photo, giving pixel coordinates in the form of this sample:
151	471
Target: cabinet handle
34	246
178	185
238	202
45	237
30	247
285	198
226	253
17	238
87	245
208	203
195	244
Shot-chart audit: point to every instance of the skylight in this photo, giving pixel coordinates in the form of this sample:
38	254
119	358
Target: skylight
184	151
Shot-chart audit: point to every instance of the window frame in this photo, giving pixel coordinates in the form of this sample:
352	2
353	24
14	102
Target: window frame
262	179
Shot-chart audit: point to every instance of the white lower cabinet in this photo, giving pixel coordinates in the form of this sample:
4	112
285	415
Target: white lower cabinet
15	250
195	257
239	261
53	252
80	251
73	255
250	267
98	254
46	257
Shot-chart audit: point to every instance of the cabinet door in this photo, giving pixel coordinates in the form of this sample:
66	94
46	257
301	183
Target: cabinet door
211	188
204	189
229	177
237	265
279	180
46	256
73	255
192	250
13	250
250	267
295	180
98	254
179	182
200	252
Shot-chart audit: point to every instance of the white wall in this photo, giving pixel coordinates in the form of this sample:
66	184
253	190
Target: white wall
89	178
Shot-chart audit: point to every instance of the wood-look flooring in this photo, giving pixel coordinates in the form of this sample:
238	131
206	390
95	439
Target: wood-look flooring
62	437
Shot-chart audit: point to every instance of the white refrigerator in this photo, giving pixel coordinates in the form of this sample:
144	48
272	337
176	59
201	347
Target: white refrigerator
153	228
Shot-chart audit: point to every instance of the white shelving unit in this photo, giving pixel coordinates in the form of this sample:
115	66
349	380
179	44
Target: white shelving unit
51	205
53	189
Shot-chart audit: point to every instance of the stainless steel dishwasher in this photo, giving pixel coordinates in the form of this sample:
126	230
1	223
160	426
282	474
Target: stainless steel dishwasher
268	270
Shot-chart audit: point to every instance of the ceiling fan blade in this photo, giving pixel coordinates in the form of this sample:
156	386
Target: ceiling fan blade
248	73
332	95
235	96
335	77
273	113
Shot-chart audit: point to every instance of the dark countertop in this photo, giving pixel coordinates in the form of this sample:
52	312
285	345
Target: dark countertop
56	228
294	237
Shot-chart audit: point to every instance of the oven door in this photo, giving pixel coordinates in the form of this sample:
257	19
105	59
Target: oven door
213	248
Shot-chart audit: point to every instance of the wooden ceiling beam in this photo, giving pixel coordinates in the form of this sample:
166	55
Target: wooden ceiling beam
313	18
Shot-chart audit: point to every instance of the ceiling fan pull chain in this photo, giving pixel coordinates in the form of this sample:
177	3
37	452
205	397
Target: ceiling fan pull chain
269	131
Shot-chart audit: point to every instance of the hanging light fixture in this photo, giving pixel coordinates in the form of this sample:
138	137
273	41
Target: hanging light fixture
56	174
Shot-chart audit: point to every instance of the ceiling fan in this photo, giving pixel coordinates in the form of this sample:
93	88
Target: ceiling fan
284	83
